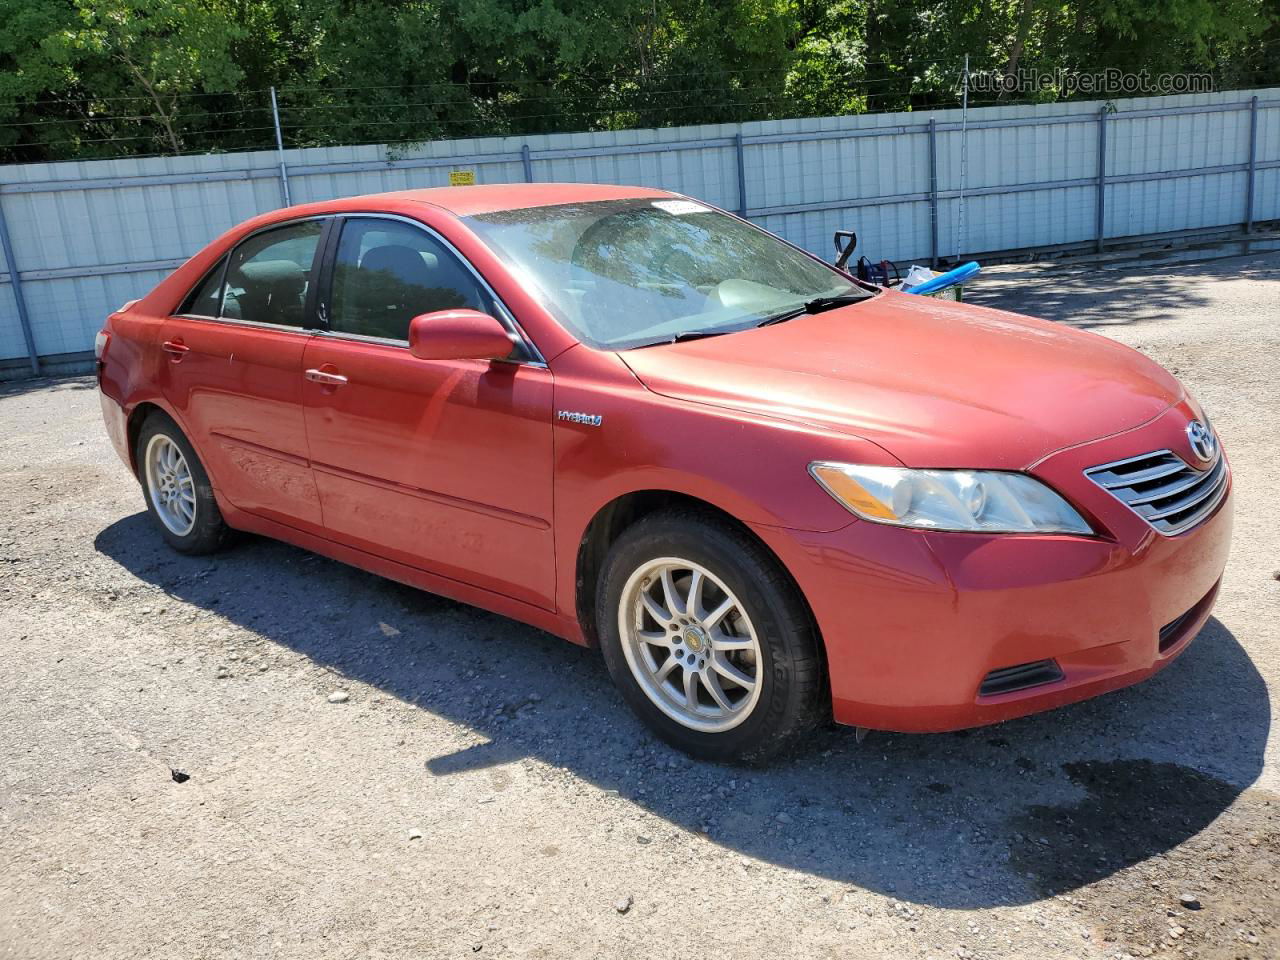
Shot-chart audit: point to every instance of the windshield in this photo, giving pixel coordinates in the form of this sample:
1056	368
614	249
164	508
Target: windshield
628	273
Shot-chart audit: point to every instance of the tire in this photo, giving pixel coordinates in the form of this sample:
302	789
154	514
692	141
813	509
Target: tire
767	636
177	490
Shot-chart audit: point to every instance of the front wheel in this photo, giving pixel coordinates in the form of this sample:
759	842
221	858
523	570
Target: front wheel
179	495
707	638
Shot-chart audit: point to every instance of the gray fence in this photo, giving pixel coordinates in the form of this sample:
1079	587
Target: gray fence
80	238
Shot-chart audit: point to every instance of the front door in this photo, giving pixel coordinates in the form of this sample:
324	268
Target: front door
442	465
233	372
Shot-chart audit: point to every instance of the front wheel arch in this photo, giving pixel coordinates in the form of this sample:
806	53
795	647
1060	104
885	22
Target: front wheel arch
622	512
791	690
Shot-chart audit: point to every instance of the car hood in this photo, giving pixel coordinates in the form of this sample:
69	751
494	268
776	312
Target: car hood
936	383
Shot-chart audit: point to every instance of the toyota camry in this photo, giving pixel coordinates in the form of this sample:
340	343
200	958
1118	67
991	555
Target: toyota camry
771	494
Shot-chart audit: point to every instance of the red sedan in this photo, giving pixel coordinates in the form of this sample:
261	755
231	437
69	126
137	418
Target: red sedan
769	493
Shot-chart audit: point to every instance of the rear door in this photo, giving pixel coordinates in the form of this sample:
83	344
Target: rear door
440	464
233	371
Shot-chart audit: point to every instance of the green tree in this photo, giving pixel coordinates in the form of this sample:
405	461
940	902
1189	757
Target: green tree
83	78
164	49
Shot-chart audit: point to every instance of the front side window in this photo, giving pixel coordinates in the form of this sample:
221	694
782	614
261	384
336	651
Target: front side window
387	272
270	273
627	273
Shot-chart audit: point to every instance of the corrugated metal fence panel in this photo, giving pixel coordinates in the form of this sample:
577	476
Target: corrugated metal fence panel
113	228
829	172
68	313
1167	144
90	235
708	172
1018	156
374	168
1012	221
898	231
1160	206
63	228
12	343
1266	203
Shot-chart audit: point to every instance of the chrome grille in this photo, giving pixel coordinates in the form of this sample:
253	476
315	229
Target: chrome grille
1164	489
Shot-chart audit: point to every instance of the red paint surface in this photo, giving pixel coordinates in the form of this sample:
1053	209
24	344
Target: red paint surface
450	334
457	476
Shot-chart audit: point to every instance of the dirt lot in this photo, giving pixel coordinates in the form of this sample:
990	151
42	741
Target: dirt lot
483	791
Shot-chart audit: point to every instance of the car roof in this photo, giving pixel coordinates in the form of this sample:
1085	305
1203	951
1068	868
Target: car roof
491	197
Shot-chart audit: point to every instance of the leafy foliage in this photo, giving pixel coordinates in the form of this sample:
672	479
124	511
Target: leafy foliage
89	78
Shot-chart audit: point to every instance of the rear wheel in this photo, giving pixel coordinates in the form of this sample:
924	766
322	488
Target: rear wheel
179	495
707	638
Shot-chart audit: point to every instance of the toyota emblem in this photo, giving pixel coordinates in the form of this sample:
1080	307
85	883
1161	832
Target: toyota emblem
1203	443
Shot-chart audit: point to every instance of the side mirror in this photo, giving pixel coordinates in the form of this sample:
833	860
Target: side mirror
458	335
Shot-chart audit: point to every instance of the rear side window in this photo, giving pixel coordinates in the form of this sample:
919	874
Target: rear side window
269	274
386	273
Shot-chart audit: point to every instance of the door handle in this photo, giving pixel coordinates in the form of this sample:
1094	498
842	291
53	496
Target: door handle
325	377
176	349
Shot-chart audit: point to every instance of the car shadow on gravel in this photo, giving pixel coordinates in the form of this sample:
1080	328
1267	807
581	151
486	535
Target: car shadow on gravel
1130	292
1094	299
1145	288
999	815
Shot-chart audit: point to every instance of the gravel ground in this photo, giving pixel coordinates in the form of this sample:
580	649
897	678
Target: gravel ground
478	788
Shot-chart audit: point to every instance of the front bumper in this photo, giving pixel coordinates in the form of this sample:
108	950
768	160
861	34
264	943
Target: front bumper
914	621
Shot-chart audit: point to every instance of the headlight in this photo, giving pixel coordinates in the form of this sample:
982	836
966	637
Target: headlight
974	500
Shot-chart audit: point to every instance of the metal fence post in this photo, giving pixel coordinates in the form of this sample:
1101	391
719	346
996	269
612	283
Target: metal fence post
527	161
964	154
933	192
284	171
1102	177
742	173
1253	164
24	318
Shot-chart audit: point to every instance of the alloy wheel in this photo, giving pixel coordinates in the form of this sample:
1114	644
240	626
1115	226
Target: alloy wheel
170	485
690	644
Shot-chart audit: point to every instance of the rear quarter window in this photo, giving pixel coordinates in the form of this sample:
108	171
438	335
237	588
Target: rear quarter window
206	299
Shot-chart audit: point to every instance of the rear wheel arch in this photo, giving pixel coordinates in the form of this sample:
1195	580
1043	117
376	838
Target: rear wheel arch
137	417
175	485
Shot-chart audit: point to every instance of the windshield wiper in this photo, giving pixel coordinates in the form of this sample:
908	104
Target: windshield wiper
817	305
684	335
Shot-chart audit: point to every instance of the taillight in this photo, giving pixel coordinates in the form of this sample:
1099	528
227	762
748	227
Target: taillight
100	343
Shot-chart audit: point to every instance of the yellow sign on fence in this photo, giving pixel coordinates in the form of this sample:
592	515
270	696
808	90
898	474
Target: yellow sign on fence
462	178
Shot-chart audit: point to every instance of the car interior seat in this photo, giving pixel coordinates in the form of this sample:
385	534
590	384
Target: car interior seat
397	283
271	291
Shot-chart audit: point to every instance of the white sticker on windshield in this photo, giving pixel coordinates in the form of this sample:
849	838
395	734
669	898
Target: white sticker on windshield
678	208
